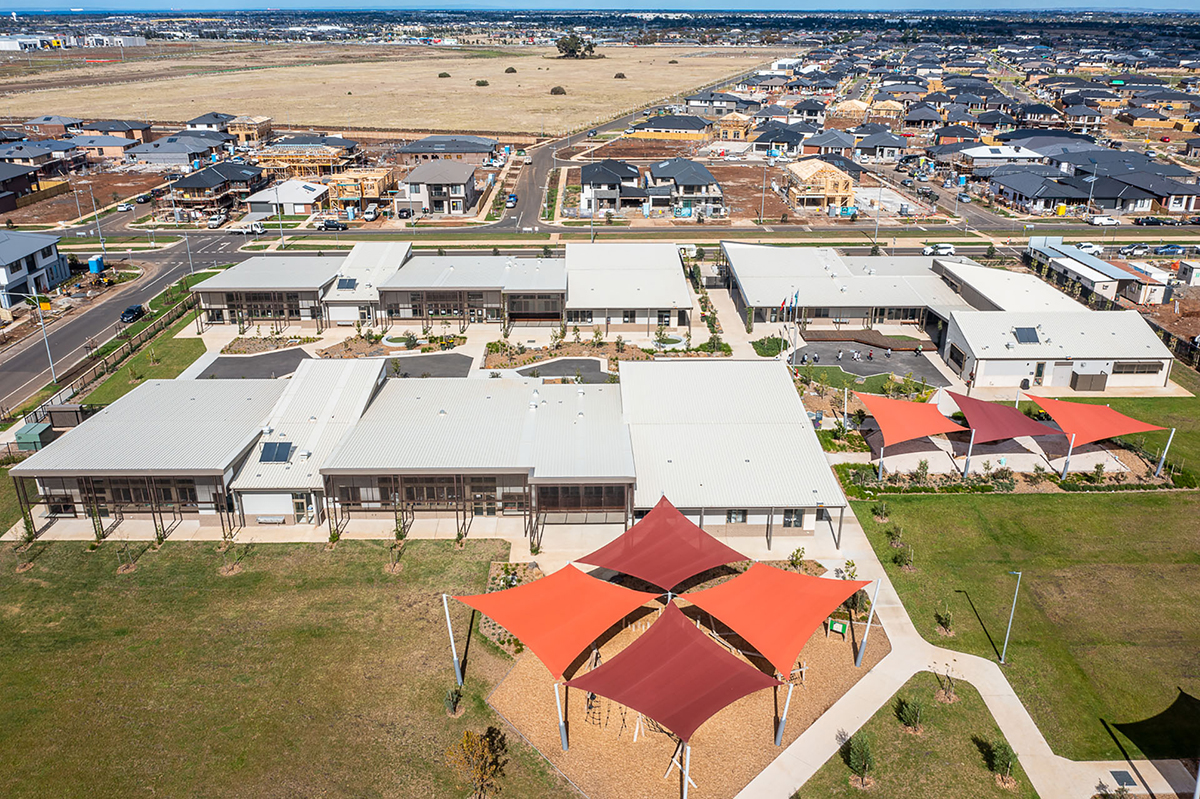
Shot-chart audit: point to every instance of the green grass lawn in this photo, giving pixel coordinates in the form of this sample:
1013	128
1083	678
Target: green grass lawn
836	377
1108	620
311	673
9	513
947	759
173	356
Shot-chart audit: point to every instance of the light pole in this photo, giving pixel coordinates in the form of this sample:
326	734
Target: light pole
96	217
186	243
279	215
762	205
42	321
1011	613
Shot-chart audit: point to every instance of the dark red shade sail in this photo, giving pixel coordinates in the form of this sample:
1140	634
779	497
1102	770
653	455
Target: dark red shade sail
775	611
991	422
664	549
1090	423
674	674
900	420
560	615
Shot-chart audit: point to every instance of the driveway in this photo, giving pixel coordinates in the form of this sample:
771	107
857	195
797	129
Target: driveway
268	365
587	368
900	364
441	364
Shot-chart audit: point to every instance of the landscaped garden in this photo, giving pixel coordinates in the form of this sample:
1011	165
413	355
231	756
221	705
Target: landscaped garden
1107	623
311	672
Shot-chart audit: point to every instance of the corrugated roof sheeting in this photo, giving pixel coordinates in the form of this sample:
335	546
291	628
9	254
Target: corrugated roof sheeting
612	275
275	273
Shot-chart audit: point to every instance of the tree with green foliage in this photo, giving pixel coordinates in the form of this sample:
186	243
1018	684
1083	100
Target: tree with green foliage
859	757
575	46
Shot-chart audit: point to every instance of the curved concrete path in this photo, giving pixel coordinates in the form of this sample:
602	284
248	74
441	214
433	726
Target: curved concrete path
1053	777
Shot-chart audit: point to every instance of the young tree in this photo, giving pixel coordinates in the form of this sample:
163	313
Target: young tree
859	756
479	760
1003	758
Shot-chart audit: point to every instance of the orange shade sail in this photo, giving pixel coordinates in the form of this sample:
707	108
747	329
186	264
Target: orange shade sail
900	420
560	615
1090	423
775	611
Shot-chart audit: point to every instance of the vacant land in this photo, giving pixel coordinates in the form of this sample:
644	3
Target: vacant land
310	673
748	190
948	758
400	88
105	187
1106	627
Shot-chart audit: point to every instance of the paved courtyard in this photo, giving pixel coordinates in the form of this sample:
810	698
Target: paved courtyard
900	364
248	367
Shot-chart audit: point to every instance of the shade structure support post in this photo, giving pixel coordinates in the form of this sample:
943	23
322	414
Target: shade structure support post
687	768
862	647
1067	464
970	449
453	648
1157	472
881	449
562	725
787	703
841	517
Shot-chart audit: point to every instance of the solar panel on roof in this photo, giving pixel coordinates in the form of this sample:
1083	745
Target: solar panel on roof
1026	335
347	284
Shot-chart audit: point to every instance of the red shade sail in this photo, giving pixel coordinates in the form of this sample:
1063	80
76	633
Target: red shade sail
900	420
775	611
991	422
559	616
1090	423
664	549
674	674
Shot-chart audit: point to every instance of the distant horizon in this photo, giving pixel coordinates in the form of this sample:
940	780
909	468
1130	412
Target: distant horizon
56	7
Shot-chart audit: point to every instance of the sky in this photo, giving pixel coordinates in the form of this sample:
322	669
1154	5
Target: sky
607	5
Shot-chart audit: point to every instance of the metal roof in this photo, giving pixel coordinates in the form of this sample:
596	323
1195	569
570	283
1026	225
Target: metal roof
450	144
290	191
368	266
320	404
469	271
15	244
1011	290
723	434
1080	334
452	426
275	273
163	427
625	275
441	172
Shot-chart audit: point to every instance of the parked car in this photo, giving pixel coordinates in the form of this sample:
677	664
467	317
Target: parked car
1133	250
629	131
1170	250
372	213
216	220
938	249
1089	247
125	207
1103	221
1194	220
404	213
132	313
1165	139
921	176
963	197
254	228
511	202
947	184
591	133
1149	221
908	183
143	198
332	224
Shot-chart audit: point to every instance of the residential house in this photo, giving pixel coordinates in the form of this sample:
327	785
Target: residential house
880	148
1170	196
1036	194
1038	114
213	120
610	185
778	140
139	131
676	128
992	120
171	151
734	127
16	181
104	148
476	150
922	117
816	184
250	130
308	155
687	188
441	187
810	111
1108	194
358	188
49	157
713	104
1191	148
30	263
831	142
953	134
220	187
289	198
1144	118
51	126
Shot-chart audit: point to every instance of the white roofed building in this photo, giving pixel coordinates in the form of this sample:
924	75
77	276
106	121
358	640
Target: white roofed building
627	287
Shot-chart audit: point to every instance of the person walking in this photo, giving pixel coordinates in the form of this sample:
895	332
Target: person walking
870	355
839	355
888	353
919	348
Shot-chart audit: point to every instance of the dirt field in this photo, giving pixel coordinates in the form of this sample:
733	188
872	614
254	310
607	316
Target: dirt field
402	91
743	186
1186	323
647	149
103	185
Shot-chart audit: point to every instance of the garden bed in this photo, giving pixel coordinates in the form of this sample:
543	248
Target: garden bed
253	345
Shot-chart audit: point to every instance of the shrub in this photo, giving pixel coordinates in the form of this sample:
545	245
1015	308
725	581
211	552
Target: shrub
1003	758
880	509
443	74
453	697
619	76
903	556
944	619
858	755
673	61
479	760
894	534
510	71
908	711
558	91
796	559
481	83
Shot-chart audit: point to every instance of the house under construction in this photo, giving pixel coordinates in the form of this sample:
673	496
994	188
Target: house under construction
816	184
360	187
308	156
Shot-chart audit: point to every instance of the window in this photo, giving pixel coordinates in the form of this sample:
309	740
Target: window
735	517
793	517
583	317
956	356
628	317
820	313
664	318
1135	368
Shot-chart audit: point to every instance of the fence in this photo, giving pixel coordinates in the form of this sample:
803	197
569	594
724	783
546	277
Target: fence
1184	351
90	369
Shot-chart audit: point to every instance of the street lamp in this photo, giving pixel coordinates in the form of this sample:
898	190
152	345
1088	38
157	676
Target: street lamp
96	217
1011	613
42	321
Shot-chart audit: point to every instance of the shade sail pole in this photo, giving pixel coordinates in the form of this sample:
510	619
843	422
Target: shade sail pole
687	768
1067	465
562	725
1158	472
870	616
783	721
970	448
453	648
881	448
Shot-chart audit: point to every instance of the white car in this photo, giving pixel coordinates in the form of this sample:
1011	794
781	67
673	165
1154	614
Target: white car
125	207
1089	247
1103	221
216	220
629	131
938	249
